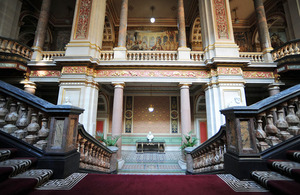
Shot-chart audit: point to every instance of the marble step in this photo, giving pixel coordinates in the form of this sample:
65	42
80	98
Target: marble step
288	168
13	167
25	182
293	155
6	153
275	182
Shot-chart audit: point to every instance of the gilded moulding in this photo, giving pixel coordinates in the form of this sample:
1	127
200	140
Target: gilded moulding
152	73
45	73
229	71
258	75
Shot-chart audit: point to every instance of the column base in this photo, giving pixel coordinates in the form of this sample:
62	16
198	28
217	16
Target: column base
184	54
37	54
120	53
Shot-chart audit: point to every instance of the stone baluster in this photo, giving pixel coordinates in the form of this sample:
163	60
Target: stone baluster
271	131
11	119
292	120
3	111
260	134
298	107
282	125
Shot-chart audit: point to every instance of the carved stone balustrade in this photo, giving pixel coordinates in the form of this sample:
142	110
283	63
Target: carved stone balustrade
287	49
209	156
50	128
255	131
94	155
256	57
151	55
11	46
197	56
48	55
106	55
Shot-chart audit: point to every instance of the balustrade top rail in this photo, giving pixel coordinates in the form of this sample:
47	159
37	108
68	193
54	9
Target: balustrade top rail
8	45
287	49
218	136
84	134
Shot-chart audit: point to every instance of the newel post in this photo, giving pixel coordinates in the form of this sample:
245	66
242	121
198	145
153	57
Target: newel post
61	152
242	152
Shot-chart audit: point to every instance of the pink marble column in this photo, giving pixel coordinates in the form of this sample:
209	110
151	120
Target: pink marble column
181	24
262	25
117	116
123	24
41	29
185	110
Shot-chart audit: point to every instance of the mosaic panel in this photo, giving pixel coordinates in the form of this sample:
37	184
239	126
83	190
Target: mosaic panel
174	115
128	114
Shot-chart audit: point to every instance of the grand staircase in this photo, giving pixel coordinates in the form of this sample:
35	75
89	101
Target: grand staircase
283	176
18	175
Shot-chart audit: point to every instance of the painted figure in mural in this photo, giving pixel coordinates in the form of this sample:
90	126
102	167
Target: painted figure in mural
150	136
276	41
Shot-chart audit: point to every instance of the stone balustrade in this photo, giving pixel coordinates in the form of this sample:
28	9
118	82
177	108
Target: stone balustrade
209	156
94	155
48	55
106	55
257	57
151	55
287	49
197	56
13	47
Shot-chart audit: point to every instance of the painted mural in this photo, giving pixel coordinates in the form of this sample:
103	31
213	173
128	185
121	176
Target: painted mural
147	40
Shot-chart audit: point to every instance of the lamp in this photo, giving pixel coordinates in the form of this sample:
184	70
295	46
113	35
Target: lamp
236	19
151	108
152	19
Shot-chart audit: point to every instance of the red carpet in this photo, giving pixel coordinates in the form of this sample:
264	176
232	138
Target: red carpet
147	184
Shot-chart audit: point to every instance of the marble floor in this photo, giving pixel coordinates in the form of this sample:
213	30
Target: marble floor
151	163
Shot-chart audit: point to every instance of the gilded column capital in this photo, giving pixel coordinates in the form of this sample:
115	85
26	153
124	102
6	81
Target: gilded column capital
118	84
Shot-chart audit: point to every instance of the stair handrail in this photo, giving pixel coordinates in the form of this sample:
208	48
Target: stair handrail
94	156
51	128
261	130
209	156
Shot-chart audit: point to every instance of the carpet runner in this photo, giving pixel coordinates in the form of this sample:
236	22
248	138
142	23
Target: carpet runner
284	177
153	184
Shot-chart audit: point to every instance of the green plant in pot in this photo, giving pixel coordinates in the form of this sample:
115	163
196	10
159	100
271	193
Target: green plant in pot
190	141
110	141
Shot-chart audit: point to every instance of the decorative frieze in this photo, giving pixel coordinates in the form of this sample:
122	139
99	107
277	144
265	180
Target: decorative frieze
153	73
258	75
45	73
83	19
229	71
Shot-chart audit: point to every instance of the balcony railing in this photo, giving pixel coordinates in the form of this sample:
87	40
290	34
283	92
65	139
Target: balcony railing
151	55
257	57
288	49
197	56
14	47
48	55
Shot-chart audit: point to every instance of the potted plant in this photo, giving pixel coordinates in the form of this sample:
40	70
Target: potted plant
190	142
110	141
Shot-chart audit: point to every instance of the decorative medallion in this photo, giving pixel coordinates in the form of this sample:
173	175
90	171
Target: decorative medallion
128	114
174	114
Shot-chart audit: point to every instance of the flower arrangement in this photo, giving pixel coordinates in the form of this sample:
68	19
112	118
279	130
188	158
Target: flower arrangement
110	141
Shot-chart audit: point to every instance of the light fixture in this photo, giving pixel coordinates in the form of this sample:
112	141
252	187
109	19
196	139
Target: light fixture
151	108
236	19
152	19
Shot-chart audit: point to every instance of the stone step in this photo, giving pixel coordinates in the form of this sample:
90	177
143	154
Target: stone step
293	155
6	153
13	167
288	168
25	182
276	182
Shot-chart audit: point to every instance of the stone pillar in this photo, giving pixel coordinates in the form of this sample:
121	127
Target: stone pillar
87	29
120	51
216	29
263	30
29	87
117	116
9	18
274	88
78	88
183	51
41	30
185	109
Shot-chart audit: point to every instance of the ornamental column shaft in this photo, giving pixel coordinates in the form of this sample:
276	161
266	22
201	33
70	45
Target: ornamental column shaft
123	24
185	110
41	29
181	24
262	25
117	116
